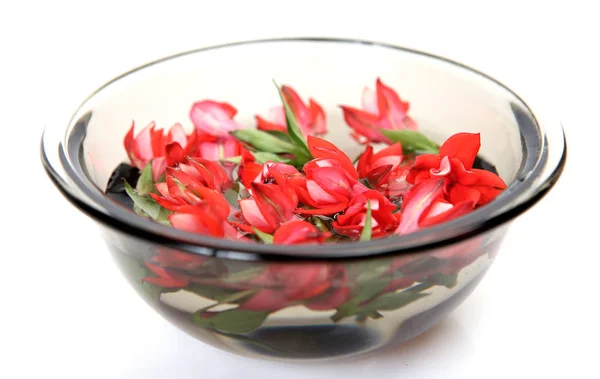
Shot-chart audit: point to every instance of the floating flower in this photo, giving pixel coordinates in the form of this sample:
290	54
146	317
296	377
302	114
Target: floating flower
298	232
383	171
286	284
425	204
352	221
382	109
166	278
454	164
208	218
152	145
270	206
183	189
331	180
311	117
213	122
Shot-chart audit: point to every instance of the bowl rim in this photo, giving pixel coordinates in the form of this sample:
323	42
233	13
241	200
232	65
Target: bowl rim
72	180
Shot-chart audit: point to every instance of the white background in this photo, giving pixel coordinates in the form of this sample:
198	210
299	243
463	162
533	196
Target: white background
65	311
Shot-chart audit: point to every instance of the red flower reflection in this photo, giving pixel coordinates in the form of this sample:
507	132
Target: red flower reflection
311	117
152	145
382	109
318	286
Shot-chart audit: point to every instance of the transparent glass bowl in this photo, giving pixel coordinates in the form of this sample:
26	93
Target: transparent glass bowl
303	302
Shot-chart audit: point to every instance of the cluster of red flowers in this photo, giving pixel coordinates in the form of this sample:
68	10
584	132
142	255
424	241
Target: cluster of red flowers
280	183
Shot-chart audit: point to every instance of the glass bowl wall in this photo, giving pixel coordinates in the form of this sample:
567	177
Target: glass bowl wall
296	302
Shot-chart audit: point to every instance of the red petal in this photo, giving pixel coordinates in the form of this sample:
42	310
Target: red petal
159	165
275	205
463	146
460	193
297	106
174	153
416	203
262	124
167	282
201	223
392	109
319	148
457	210
317	117
489	179
364	163
364	123
142	144
295	232
249	170
177	134
128	143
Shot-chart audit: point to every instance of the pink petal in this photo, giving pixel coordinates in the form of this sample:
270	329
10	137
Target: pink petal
369	100
213	118
251	213
159	165
416	203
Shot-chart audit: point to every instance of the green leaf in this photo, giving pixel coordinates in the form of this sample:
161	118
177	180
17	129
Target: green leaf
293	128
232	321
343	311
411	141
237	159
372	269
365	235
263	157
145	184
365	291
211	291
265	237
244	275
264	142
391	301
147	205
232	197
440	279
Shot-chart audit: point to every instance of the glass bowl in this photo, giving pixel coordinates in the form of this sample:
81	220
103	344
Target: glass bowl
305	302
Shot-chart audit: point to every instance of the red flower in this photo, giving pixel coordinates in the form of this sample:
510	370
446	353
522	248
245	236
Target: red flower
178	260
311	118
213	122
166	278
208	173
352	222
383	171
182	189
153	145
336	295
298	232
382	109
248	169
270	206
274	172
207	218
425	204
285	284
454	164
331	180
